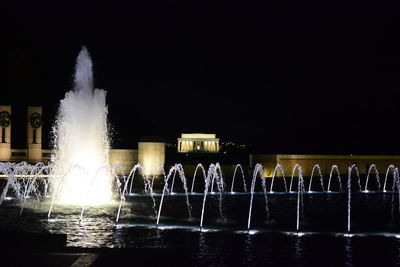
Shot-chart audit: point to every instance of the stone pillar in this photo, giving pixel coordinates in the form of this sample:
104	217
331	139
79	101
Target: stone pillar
151	155
5	133
34	134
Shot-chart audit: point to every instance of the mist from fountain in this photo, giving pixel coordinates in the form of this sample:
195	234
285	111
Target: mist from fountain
81	138
59	185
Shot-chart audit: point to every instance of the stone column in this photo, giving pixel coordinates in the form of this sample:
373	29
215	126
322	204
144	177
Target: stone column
34	135
151	155
5	133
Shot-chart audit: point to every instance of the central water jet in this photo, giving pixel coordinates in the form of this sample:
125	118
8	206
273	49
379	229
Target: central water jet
81	173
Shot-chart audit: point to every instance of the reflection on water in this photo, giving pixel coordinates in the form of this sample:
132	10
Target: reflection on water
349	252
202	246
248	250
273	244
299	250
398	253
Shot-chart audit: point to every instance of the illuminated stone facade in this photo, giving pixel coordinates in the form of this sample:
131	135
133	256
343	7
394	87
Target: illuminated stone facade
34	152
126	158
151	156
198	143
5	133
34	134
307	162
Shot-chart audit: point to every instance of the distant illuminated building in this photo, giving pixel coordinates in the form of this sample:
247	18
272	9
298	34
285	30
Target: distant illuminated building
198	143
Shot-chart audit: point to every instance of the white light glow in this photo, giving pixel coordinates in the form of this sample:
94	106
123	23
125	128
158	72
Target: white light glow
81	135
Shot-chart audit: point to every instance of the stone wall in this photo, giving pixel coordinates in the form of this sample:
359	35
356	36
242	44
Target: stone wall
151	156
5	133
307	162
126	157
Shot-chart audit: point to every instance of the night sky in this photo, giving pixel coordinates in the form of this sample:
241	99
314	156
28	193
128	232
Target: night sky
284	76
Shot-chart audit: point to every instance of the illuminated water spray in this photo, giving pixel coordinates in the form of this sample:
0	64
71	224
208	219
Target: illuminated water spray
81	168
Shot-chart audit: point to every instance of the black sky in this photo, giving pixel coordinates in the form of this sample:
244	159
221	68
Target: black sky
285	76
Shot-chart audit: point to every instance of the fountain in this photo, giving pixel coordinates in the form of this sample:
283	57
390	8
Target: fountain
177	168
214	174
199	166
300	191
29	184
258	171
81	139
80	176
392	169
295	167
350	169
147	185
278	167
334	167
373	167
238	166
316	166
